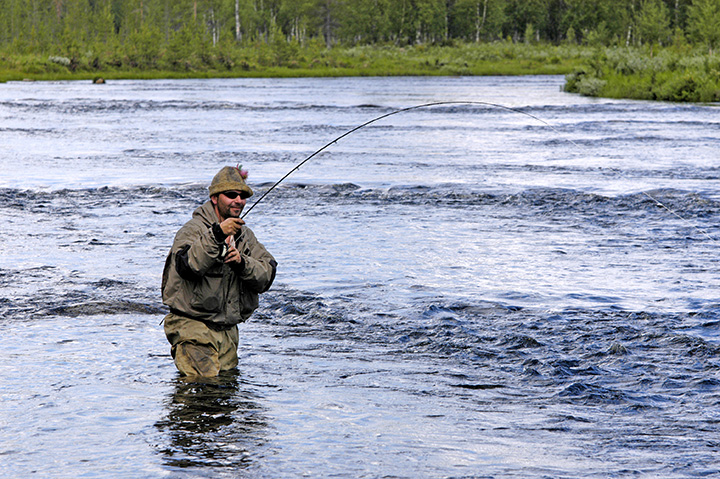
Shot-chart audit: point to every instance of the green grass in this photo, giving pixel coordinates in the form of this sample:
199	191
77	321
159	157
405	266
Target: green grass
670	74
283	60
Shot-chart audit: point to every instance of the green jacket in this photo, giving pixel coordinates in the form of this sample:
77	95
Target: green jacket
197	284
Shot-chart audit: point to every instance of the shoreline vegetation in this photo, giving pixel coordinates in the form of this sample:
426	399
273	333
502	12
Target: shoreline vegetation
680	74
677	74
637	49
284	60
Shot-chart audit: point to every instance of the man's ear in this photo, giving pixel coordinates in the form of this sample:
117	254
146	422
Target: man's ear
213	198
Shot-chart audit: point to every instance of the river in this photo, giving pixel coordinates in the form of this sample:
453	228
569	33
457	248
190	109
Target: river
521	287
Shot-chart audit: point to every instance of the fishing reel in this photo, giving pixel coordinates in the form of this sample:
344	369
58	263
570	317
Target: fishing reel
225	248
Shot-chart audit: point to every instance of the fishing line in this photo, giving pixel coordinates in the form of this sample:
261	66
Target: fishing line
468	102
386	115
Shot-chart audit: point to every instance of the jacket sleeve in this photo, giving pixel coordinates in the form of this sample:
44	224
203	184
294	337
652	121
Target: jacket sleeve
196	250
260	266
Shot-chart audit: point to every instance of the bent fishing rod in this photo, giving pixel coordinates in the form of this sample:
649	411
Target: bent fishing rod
441	103
381	117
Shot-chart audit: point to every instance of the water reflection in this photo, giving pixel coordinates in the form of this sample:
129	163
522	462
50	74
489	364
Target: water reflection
212	422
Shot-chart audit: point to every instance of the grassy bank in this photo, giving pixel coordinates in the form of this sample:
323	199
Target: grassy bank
287	60
671	74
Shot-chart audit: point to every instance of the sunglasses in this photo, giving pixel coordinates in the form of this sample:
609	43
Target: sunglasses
232	194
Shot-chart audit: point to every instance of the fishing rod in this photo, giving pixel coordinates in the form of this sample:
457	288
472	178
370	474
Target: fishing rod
462	102
386	115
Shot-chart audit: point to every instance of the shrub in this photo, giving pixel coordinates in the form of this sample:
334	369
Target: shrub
641	73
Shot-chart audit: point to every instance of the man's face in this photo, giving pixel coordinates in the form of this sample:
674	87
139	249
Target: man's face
229	204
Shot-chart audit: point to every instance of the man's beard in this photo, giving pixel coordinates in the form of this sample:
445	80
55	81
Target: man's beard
227	212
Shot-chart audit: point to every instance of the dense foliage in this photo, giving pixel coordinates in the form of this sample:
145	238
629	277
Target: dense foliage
146	30
42	38
673	74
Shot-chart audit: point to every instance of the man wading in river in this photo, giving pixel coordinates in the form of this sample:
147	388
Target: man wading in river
212	278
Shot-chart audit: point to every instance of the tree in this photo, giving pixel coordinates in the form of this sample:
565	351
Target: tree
477	20
366	21
327	13
402	19
653	22
601	20
522	13
293	19
430	22
678	13
704	22
554	30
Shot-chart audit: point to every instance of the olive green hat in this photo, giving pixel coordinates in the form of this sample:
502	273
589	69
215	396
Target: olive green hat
231	178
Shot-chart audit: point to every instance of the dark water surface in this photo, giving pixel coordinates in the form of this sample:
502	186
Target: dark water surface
463	291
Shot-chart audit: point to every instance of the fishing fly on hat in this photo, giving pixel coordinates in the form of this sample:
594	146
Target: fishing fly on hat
231	178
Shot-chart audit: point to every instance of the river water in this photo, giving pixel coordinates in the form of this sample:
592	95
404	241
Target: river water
527	290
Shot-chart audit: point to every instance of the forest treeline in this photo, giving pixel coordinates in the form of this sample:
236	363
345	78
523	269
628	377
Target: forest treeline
175	28
54	38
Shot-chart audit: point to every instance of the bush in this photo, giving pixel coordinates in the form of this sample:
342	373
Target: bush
669	75
591	86
689	87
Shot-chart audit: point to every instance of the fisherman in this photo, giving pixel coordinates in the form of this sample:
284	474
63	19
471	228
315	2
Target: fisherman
213	275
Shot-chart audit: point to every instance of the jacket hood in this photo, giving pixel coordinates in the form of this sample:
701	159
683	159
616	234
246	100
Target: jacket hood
206	213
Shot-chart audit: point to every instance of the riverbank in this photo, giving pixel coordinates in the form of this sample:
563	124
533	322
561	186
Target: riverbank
672	74
680	74
286	60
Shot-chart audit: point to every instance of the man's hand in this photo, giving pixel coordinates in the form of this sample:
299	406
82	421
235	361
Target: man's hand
231	226
233	255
